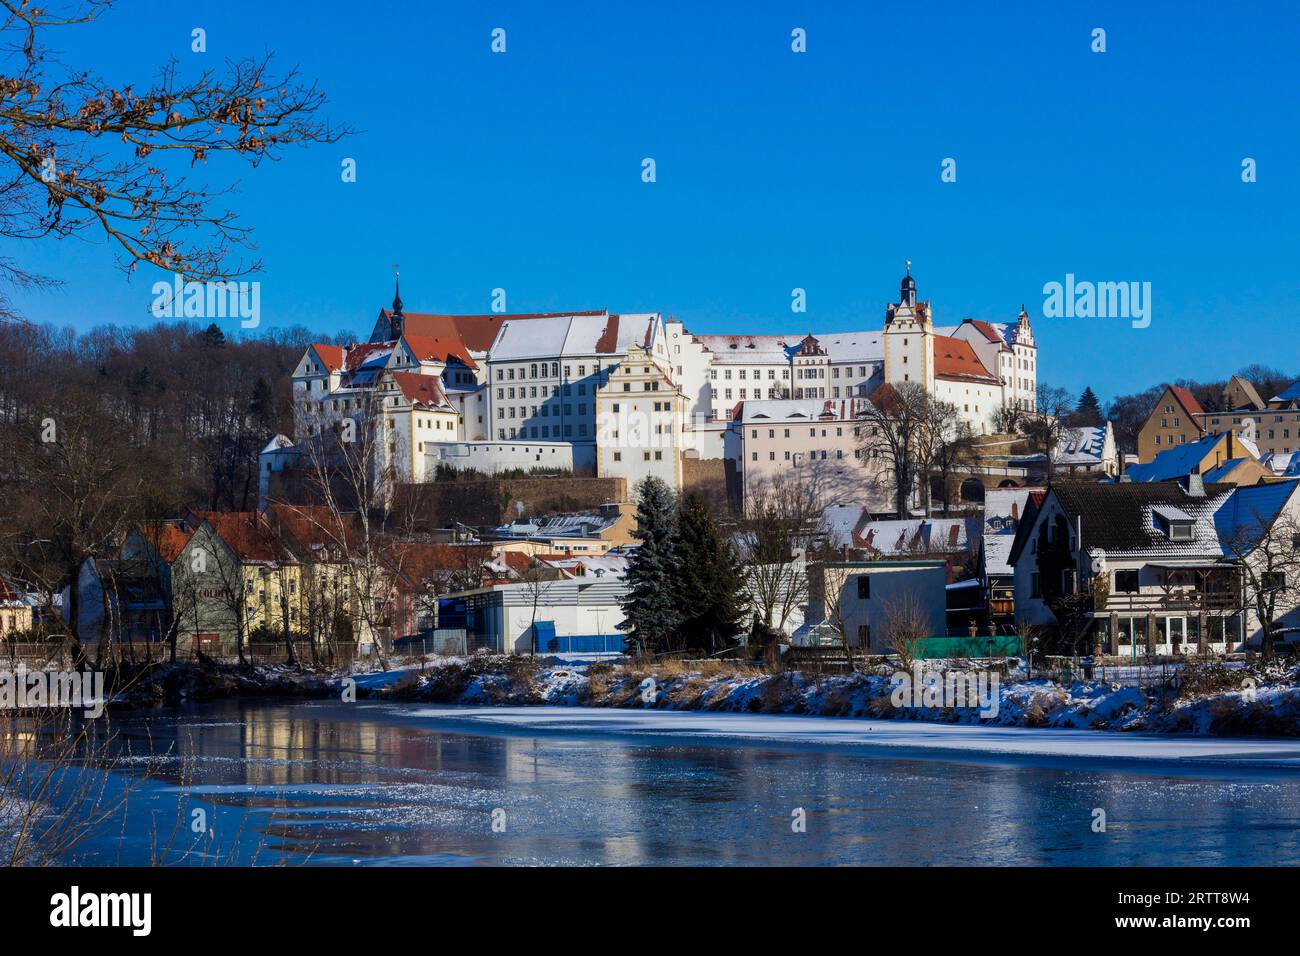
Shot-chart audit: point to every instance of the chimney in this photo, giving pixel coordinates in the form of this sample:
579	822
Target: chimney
1195	486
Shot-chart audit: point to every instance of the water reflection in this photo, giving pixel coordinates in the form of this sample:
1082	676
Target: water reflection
332	783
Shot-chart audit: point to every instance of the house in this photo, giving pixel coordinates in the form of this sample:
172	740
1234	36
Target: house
813	441
1174	420
867	600
560	615
1273	427
1218	458
1086	449
1146	567
287	570
17	612
1004	510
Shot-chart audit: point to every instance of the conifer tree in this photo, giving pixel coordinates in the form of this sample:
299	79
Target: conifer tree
650	605
1088	411
710	584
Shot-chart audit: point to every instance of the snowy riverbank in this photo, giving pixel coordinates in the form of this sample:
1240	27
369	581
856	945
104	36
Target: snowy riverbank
1211	700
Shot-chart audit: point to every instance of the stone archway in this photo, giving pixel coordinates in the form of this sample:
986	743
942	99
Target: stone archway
972	489
1008	483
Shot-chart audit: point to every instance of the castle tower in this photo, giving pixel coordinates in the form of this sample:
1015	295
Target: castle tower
909	338
397	318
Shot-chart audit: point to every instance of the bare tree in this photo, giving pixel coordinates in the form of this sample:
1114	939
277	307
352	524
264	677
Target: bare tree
88	157
781	516
905	623
537	577
1045	426
1266	551
891	428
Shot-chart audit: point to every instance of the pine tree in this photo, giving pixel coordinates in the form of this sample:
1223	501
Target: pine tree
1088	411
650	606
710	584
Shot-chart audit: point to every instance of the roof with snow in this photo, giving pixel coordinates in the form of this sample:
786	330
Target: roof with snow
1289	394
751	349
1082	445
1177	462
1121	518
1249	512
799	410
576	335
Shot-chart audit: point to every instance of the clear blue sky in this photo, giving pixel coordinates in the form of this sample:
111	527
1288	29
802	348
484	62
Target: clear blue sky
775	170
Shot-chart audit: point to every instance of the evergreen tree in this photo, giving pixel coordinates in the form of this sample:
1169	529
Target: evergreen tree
650	605
710	584
1088	411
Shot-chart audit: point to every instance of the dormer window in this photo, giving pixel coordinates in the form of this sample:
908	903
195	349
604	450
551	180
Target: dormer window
1176	524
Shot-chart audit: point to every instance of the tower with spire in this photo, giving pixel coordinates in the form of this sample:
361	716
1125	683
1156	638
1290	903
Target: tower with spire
909	337
396	318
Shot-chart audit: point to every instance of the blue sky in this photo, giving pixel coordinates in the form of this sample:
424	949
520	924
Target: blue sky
775	170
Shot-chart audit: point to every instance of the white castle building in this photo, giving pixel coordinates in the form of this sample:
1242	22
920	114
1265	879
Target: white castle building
539	390
977	366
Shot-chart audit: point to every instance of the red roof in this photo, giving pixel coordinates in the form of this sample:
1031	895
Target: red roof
1186	399
422	391
331	356
358	354
428	348
246	534
476	332
955	358
168	538
608	340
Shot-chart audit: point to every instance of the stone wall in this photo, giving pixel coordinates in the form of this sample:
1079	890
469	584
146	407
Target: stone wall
493	501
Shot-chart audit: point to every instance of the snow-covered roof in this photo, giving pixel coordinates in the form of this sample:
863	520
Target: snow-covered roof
800	410
1081	445
1249	512
572	335
750	349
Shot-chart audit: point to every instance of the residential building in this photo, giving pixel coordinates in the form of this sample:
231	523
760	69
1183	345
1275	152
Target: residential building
1158	558
1272	427
1174	420
567	614
866	600
1087	449
1218	458
1004	510
815	441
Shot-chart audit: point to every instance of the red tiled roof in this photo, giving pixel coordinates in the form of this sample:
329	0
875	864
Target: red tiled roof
986	330
247	534
954	358
331	356
427	348
1187	399
422	391
477	332
358	354
168	538
608	340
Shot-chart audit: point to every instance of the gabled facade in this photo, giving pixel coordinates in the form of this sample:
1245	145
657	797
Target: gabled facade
1155	561
1174	420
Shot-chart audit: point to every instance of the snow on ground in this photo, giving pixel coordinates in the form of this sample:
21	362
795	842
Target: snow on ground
879	734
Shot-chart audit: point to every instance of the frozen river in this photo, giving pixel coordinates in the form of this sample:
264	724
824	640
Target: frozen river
410	784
